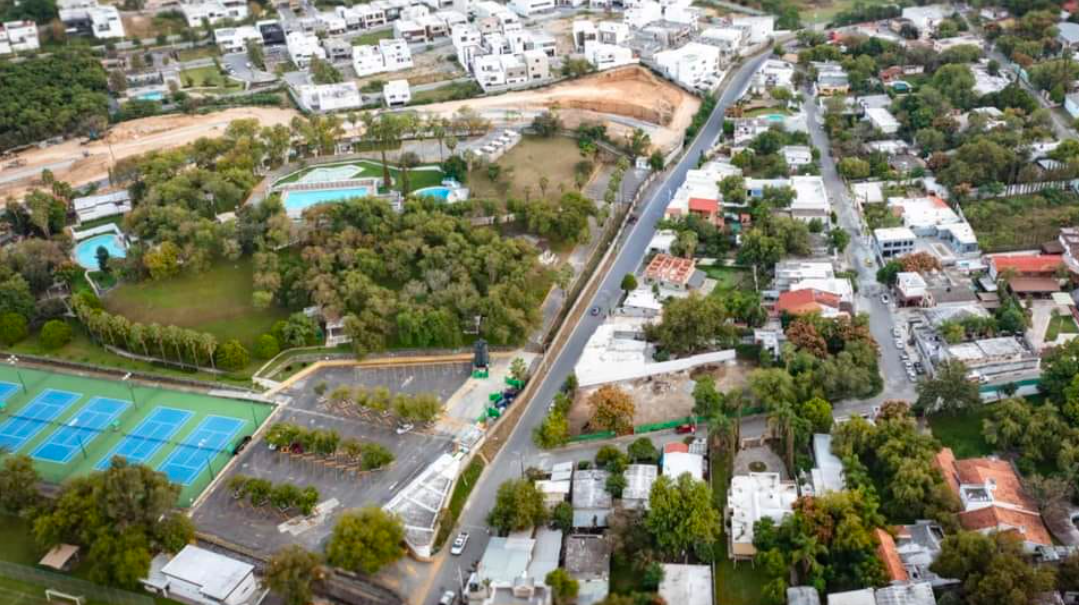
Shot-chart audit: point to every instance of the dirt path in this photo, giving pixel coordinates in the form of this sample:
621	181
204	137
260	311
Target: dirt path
79	163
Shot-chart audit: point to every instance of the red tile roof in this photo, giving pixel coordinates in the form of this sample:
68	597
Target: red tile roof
1007	488
1029	525
889	556
700	204
1026	264
676	446
808	300
945	462
671	269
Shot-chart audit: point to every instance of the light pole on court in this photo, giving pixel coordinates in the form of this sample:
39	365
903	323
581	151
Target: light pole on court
130	388
14	360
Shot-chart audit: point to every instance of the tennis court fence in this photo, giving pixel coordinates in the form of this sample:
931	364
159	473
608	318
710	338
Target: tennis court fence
75	586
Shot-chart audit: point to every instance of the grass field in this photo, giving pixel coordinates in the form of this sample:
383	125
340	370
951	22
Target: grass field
371	38
727	278
740	584
217	301
823	11
198	52
207	77
1019	222
417	179
525	164
451	92
963	432
25	427
1060	324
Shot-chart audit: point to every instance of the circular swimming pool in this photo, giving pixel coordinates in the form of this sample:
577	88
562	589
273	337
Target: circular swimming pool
86	251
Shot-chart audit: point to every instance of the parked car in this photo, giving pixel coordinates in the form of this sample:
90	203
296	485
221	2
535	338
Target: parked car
594	311
459	543
884	299
448	598
897	333
241	445
686	429
404	428
898	343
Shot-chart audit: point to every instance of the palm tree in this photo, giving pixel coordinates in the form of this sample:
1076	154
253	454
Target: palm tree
804	556
137	336
451	144
156	334
438	131
174	335
385	131
544	183
781	419
406	163
192	340
208	343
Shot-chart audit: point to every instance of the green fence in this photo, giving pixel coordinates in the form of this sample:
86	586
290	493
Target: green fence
72	586
662	426
592	437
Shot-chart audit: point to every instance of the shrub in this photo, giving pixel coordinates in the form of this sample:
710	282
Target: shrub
12	328
266	347
232	356
55	334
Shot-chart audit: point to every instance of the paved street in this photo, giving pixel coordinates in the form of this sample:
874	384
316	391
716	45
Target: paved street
519	449
1061	123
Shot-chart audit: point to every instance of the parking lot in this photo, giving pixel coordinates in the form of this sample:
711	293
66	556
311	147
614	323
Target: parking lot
264	529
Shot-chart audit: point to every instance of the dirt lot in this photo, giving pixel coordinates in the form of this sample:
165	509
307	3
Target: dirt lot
428	67
661	398
79	163
631	92
562	30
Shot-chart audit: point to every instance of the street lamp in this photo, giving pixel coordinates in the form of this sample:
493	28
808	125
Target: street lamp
14	360
130	388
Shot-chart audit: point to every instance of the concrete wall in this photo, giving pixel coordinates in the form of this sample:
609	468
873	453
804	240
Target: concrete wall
620	373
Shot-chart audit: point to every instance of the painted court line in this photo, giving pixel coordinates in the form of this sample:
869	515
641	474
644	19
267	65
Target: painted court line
143	443
7	389
32	419
81	430
208	439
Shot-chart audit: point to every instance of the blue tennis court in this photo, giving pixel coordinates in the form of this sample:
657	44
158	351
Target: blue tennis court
208	439
7	389
33	418
84	427
153	432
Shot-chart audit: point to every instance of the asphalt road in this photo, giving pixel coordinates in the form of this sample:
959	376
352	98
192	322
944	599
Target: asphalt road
519	451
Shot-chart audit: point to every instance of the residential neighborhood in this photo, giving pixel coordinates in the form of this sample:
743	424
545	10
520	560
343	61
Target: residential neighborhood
537	302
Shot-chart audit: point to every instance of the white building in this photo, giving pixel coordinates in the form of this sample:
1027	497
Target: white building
93	207
690	64
683	14
468	42
527	8
758	29
202	576
607	56
810	199
584	31
882	120
926	18
893	242
89	17
774	74
302	48
676	464
390	55
751	498
236	39
797	155
686	584
729	40
396	93
212	11
827	474
330	97
641	15
18	36
507	71
395	54
612	32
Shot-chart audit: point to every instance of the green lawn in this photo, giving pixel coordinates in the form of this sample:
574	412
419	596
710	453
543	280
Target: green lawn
199	52
824	10
963	431
217	301
207	77
524	165
371	38
1061	324
766	111
727	278
418	179
451	92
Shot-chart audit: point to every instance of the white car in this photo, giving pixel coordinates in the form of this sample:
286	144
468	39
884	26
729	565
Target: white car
459	543
448	598
404	428
884	299
898	344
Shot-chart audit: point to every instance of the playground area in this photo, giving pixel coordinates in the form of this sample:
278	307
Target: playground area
72	425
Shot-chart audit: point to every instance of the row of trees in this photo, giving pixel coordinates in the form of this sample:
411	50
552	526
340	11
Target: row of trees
369	455
283	496
422	407
170	344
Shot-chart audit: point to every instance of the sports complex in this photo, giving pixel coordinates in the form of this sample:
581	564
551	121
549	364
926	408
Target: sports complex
72	425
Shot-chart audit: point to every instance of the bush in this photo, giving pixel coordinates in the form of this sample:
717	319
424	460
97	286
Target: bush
266	347
232	356
12	328
55	334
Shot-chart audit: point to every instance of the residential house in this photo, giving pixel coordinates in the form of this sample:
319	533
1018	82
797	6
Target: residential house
729	40
201	576
1071	105
639	480
588	560
797	156
810	199
1025	265
809	300
592	503
644	13
18	36
789	272
918	546
678	461
882	120
931	216
993	498
926	18
272	33
751	498
410	31
608	56
396	93
93	207
774	73
673	273
690	64
912	290
831	79
759	29
892	242
802	595
1068	34
302	48
502	576
527	8
236	39
198	12
920	593
1004	359
584	31
612	32
827	472
87	17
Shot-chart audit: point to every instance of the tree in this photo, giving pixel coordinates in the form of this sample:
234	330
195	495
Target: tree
992	569
838	238
853	168
292	572
949	390
691	325
553	431
612	410
12	328
643	451
266	347
629	283
232	356
102	256
18	485
518	369
681	514
406	163
653	576
55	334
366	540
819	414
547	124
518	505
385	130
563	586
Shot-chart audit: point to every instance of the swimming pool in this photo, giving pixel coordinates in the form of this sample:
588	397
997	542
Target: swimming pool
298	201
442	193
86	250
152	96
776	117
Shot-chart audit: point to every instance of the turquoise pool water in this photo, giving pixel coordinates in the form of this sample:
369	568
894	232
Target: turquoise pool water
441	193
86	250
152	96
298	201
776	117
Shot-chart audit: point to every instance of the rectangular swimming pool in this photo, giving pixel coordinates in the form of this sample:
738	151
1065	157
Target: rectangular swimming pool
297	201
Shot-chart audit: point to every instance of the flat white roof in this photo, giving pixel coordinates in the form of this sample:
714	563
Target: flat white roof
216	575
882	118
893	234
686	584
853	597
677	463
755	496
809	193
394	87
